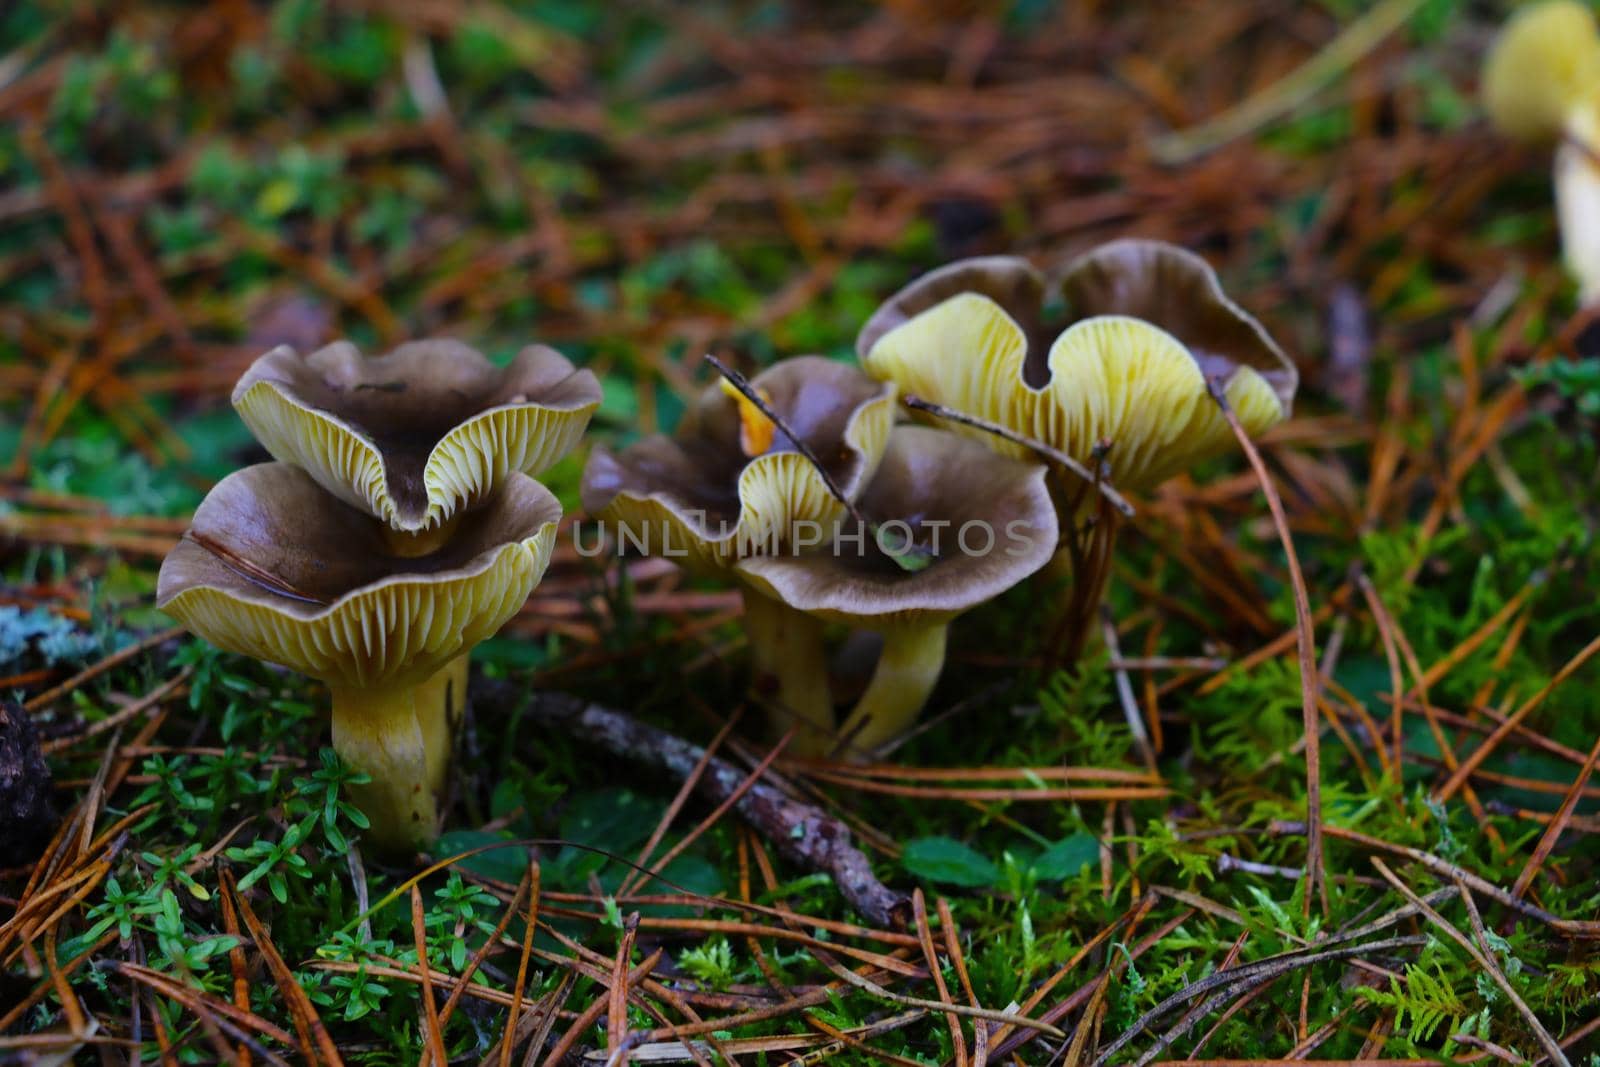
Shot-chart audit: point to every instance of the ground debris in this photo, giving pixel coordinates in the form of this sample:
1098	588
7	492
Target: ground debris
26	814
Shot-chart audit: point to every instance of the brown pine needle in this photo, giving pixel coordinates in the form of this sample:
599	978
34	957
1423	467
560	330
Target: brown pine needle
431	1027
490	943
315	1043
514	1018
93	671
251	570
592	1013
1490	743
919	918
617	1007
1316	875
685	791
1558	823
236	962
866	985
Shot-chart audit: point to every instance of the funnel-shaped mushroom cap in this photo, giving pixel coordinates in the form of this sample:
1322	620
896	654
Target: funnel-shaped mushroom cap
275	568
992	518
420	434
1150	326
1544	64
699	496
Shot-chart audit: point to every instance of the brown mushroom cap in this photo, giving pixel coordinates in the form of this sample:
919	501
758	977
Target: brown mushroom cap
927	476
276	569
1009	281
1176	290
422	433
698	495
1150	326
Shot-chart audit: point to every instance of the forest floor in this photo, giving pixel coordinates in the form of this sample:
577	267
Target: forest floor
183	187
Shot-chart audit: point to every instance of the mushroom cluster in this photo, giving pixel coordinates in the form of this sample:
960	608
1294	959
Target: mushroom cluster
1541	85
400	526
823	512
1124	387
401	523
798	487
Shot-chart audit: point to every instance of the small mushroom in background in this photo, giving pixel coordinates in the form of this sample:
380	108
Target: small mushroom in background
419	436
728	485
985	522
1541	84
275	568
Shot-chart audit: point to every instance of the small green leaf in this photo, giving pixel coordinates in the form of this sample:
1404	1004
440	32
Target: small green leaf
507	864
948	861
616	820
1067	857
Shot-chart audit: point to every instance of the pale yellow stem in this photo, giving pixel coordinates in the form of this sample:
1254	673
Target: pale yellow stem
411	545
440	704
908	669
405	748
790	675
1577	181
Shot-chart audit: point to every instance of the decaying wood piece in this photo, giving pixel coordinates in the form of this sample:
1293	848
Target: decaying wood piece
26	815
801	833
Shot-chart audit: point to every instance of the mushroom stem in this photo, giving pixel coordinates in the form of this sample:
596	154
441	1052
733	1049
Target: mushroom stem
1084	558
446	691
441	698
409	545
908	669
790	672
404	746
1577	183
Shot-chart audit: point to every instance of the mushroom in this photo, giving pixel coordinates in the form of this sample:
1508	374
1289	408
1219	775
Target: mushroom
275	568
983	522
420	435
1541	83
1149	327
728	485
1123	390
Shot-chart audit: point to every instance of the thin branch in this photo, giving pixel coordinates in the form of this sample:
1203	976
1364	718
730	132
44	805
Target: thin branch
748	391
1246	976
1130	705
1482	958
803	834
1055	455
1582	929
867	985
